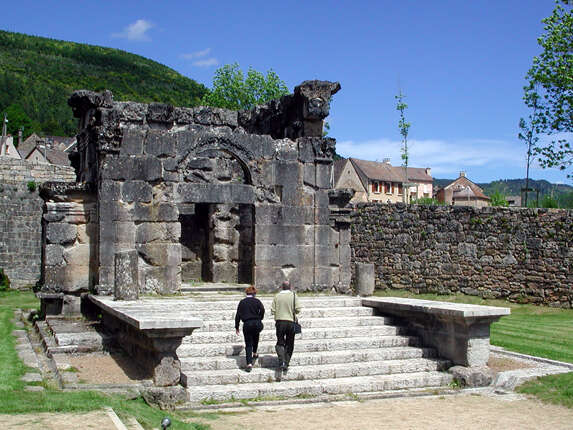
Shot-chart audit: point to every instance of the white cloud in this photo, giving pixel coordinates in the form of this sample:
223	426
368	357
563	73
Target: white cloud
444	157
206	63
196	54
135	32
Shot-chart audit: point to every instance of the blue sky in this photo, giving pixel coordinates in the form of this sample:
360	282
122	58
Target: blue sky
461	64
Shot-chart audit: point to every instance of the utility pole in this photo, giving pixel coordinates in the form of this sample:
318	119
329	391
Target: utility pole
4	132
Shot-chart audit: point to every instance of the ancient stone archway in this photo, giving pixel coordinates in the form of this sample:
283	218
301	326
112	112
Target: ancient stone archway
186	190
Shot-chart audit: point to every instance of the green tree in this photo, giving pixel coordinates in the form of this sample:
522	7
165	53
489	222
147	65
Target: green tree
498	199
231	90
550	87
18	119
548	201
404	126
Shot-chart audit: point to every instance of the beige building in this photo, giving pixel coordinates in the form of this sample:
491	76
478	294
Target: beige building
375	181
463	192
7	148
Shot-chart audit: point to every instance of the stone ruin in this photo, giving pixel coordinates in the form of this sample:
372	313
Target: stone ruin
167	194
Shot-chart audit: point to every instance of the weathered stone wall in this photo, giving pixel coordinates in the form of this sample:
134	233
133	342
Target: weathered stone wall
206	192
18	171
21	218
524	255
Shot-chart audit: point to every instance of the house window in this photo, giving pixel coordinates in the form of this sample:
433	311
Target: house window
375	187
388	187
400	190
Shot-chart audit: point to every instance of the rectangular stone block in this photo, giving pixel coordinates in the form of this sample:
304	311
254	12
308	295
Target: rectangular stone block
54	255
309	175
327	255
284	235
210	193
160	254
136	191
158	231
77	255
324	177
126	276
288	173
132	141
326	235
284	255
61	233
160	143
110	190
125	232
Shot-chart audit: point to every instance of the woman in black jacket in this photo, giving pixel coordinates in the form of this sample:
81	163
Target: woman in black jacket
251	311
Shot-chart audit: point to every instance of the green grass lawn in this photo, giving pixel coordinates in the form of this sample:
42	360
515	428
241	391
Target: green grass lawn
16	400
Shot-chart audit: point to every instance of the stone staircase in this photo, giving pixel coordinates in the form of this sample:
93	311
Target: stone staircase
344	349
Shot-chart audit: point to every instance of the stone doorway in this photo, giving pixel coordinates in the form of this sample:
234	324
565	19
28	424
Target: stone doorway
217	242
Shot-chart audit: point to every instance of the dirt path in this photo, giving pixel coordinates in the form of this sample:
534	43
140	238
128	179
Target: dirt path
46	421
444	413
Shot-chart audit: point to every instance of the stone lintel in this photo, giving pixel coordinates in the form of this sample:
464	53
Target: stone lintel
459	332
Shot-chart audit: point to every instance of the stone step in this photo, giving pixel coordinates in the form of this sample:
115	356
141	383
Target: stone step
223	325
355	343
316	372
290	389
306	312
310	302
269	334
191	364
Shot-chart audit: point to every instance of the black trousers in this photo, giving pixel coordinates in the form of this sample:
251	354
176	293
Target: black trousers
285	340
251	331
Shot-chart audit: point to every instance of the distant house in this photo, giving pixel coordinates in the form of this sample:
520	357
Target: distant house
462	192
514	201
47	150
7	148
374	181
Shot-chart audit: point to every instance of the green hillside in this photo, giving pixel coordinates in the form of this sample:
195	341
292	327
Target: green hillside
37	75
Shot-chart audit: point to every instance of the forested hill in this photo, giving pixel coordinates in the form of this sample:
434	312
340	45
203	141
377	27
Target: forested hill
37	75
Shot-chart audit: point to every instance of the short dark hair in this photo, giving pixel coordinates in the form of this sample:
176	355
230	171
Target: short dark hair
250	290
285	285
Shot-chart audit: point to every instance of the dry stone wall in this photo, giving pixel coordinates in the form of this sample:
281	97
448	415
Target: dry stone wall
523	255
21	217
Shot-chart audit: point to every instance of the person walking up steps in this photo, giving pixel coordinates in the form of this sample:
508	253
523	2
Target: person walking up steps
285	307
251	311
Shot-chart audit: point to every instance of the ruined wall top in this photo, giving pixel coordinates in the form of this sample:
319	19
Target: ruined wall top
292	124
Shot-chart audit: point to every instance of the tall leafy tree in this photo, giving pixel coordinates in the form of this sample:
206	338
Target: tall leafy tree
550	87
232	90
528	133
404	126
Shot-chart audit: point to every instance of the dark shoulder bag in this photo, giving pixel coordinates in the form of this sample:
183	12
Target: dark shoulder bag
297	327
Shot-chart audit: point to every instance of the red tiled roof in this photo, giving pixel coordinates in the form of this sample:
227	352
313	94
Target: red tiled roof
377	171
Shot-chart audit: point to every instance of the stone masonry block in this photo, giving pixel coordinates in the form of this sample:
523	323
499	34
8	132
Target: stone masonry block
324	175
136	191
285	234
132	141
284	255
77	255
125	232
54	255
158	231
61	233
126	276
110	190
160	143
309	174
160	254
